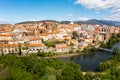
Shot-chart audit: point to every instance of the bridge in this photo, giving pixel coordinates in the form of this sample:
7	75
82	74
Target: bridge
104	49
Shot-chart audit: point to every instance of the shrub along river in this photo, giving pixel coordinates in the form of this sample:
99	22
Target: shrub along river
91	61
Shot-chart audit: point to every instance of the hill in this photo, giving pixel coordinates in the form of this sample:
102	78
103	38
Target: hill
100	22
91	21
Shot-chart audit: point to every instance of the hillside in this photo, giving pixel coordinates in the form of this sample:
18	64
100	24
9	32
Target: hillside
92	21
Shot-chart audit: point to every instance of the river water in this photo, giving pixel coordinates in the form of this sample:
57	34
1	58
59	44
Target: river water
90	62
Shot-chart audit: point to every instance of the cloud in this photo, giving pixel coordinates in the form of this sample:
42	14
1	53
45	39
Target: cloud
98	4
113	5
83	18
70	14
114	17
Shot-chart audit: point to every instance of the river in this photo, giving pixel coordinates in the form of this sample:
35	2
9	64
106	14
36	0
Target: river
90	62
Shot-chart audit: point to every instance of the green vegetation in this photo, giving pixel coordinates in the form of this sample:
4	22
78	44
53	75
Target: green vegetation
52	43
20	50
32	68
103	45
112	62
89	50
75	35
89	76
114	39
45	54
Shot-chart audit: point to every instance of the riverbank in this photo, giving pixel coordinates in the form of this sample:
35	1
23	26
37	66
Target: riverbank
64	55
87	51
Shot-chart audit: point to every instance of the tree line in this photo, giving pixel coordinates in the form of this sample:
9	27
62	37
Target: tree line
31	67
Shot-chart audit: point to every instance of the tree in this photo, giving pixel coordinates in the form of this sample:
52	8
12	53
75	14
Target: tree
20	49
75	35
104	65
1	50
89	76
116	51
116	72
26	47
19	74
50	71
48	77
79	75
50	74
68	73
52	43
110	43
103	45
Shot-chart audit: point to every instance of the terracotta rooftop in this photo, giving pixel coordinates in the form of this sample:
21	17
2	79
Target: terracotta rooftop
6	35
35	45
10	45
35	38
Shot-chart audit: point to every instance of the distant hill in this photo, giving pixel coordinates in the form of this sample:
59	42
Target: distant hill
91	21
38	21
49	21
117	23
65	22
100	22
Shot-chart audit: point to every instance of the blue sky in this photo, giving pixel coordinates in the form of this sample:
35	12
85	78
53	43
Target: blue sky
25	10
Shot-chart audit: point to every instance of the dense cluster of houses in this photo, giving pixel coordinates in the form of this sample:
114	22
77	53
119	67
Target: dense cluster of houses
30	37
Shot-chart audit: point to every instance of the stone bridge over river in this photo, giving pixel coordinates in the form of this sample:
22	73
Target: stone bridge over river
105	49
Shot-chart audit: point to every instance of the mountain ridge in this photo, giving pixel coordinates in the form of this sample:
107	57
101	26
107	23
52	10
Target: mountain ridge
91	21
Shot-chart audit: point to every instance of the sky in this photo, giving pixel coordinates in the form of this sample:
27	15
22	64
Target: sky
28	10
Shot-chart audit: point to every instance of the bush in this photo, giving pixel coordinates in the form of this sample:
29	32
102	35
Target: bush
45	54
33	68
51	43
